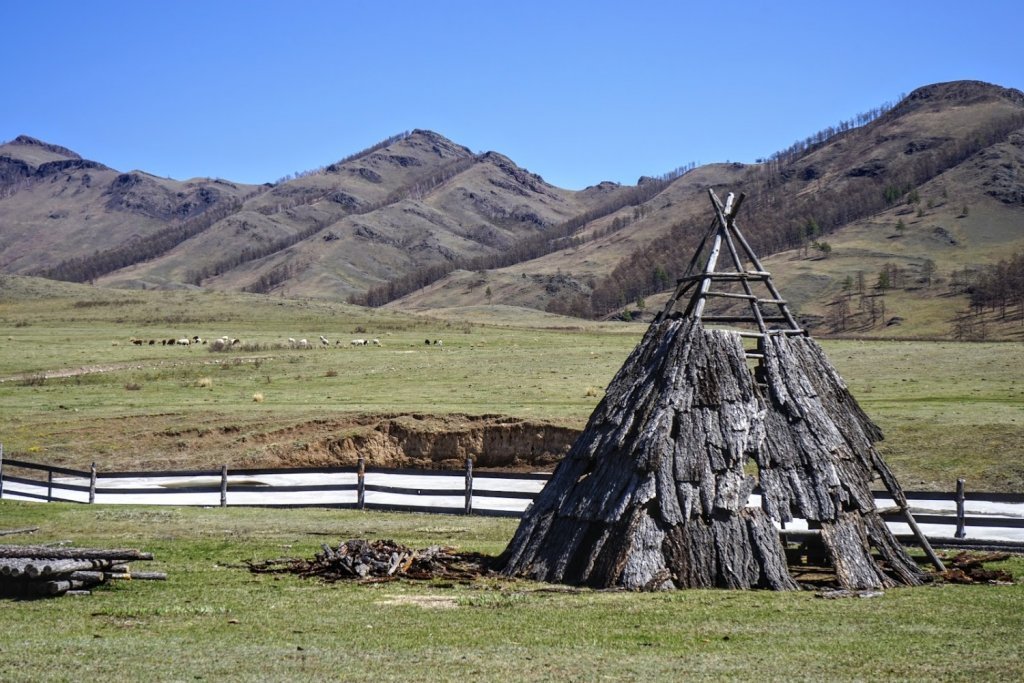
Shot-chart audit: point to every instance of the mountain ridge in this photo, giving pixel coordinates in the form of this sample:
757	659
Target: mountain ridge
422	222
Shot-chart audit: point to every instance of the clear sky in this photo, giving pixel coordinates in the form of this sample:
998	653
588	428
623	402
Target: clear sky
578	92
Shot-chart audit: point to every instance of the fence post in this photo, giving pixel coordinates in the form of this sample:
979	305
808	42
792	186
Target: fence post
92	483
469	486
1	471
361	484
961	532
223	486
49	486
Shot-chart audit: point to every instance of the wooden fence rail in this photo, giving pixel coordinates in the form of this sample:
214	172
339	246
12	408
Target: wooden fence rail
466	491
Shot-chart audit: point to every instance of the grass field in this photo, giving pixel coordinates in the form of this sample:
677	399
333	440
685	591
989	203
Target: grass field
213	619
75	390
948	409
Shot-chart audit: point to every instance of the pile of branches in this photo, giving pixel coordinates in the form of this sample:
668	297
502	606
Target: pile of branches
969	568
33	571
376	561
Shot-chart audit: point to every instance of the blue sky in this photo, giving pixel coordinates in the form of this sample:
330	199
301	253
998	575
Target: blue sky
578	92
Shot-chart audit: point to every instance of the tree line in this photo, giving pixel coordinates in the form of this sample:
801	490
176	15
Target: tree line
999	286
534	246
99	263
777	218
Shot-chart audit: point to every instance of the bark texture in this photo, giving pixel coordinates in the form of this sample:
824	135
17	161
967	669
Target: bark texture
654	492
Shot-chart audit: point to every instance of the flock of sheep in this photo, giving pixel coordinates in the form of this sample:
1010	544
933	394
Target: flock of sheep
226	342
184	341
325	342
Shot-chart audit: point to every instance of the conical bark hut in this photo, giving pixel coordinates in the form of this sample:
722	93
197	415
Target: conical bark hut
655	492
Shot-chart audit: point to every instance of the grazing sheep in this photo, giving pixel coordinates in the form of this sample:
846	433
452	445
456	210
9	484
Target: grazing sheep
303	343
291	342
376	342
358	342
324	342
438	342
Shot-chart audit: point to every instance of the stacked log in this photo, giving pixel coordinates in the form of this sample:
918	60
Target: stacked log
51	571
654	492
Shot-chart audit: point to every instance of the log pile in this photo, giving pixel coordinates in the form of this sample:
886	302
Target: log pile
376	561
654	492
970	568
34	571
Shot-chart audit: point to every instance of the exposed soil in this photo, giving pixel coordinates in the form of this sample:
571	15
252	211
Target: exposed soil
174	441
433	442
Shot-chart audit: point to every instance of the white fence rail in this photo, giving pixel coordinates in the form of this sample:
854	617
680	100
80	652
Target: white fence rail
958	516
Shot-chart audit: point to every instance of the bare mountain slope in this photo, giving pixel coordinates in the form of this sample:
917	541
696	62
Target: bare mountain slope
54	205
939	144
419	213
420	201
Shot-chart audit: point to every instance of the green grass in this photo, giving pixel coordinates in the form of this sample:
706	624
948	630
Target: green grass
214	620
948	409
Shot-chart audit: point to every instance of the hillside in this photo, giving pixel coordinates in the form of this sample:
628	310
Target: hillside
928	190
943	148
56	206
419	201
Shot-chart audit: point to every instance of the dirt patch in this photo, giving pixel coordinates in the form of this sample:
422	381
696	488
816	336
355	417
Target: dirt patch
208	440
431	442
424	601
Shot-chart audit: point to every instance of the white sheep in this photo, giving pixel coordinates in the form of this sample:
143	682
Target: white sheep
324	342
303	343
376	342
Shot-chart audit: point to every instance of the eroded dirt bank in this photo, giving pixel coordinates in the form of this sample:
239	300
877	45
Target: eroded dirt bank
176	441
442	442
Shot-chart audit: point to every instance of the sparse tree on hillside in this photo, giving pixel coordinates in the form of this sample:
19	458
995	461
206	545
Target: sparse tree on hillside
884	282
928	271
839	314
